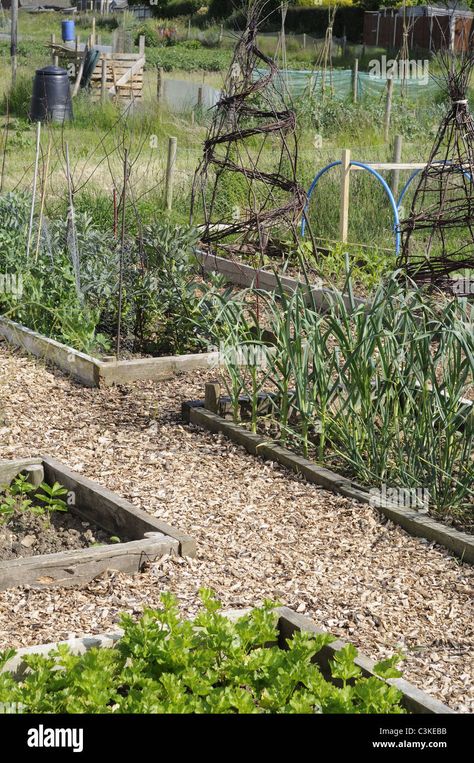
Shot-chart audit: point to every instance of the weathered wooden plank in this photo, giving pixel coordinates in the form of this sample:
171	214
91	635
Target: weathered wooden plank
112	512
77	364
245	275
11	469
413	699
70	568
125	371
125	77
93	372
415	523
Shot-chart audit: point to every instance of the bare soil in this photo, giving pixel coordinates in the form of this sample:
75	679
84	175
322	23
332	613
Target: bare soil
30	535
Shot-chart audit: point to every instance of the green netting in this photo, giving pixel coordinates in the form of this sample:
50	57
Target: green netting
298	81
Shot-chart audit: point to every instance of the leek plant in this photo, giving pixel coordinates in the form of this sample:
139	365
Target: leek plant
376	389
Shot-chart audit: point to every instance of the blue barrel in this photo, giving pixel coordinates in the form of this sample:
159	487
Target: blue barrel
68	30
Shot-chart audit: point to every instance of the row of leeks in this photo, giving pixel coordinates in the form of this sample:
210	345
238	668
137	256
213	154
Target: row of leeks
378	388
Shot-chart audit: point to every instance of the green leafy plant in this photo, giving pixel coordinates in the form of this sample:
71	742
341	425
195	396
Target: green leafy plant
14	500
50	498
211	664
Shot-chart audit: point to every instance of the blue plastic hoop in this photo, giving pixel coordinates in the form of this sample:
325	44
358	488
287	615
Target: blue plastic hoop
393	203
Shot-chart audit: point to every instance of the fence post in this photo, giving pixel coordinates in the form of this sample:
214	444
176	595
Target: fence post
93	32
103	80
53	43
397	157
355	79
304	40
141	45
170	165
388	109
159	84
344	205
199	99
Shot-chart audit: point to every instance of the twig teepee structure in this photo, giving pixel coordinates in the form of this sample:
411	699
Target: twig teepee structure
438	234
251	123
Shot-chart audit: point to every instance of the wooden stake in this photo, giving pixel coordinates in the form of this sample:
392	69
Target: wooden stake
388	109
77	83
344	204
103	81
93	32
5	140
53	43
14	38
72	222
199	100
170	166
212	393
159	84
141	45
355	80
43	196
35	182
397	157
122	252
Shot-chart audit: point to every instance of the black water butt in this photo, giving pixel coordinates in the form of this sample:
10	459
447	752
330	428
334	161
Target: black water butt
51	99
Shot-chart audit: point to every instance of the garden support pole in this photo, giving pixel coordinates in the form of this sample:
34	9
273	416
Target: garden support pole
344	203
388	109
355	79
397	158
159	84
35	183
170	167
14	38
122	253
103	81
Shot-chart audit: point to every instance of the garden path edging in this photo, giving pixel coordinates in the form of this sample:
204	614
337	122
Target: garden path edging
419	525
93	372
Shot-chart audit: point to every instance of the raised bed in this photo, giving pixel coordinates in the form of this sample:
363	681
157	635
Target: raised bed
93	372
414	700
148	537
420	525
239	274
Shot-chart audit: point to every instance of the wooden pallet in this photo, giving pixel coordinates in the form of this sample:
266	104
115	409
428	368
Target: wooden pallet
123	71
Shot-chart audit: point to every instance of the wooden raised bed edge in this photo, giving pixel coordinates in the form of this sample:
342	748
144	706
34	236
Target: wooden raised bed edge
414	700
93	372
151	538
240	274
420	525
